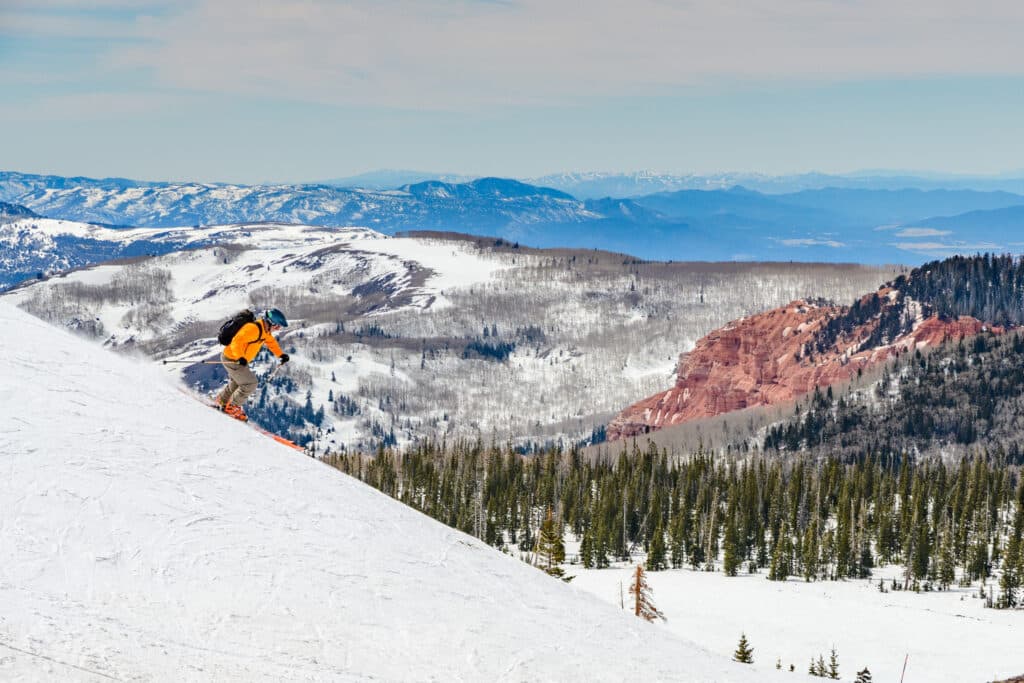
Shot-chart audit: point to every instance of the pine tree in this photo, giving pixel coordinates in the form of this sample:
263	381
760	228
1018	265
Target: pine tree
780	568
810	552
550	548
921	550
978	560
730	551
642	605
865	560
1013	562
843	546
587	549
711	539
744	653
656	555
863	676
677	533
833	666
947	561
600	545
1010	580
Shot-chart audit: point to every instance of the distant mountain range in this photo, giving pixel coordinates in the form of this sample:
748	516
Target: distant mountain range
495	207
831	224
597	185
485	203
387	179
593	185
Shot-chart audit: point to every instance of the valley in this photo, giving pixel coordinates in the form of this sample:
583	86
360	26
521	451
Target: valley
430	337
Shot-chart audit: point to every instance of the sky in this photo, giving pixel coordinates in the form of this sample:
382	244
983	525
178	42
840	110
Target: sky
254	91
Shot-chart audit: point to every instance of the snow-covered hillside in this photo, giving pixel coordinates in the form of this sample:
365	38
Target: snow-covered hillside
945	636
425	337
146	537
33	246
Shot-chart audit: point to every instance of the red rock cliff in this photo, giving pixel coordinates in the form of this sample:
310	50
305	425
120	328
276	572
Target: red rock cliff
767	359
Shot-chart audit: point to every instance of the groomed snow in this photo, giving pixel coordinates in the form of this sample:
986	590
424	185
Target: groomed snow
146	537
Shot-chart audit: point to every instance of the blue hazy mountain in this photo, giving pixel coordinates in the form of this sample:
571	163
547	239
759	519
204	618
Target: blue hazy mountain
392	179
882	207
832	208
593	185
864	225
826	224
1005	224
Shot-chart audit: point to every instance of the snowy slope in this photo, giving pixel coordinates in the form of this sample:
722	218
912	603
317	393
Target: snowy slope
336	259
146	537
34	245
946	636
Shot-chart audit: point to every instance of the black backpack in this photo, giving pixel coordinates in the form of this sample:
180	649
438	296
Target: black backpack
231	327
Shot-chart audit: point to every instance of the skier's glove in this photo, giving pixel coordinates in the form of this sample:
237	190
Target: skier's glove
284	357
243	362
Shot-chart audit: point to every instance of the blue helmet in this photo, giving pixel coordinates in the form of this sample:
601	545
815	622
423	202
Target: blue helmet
275	317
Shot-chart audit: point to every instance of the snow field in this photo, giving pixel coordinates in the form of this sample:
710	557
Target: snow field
949	636
146	537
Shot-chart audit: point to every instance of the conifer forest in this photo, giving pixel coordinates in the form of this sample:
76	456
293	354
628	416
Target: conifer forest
819	519
922	469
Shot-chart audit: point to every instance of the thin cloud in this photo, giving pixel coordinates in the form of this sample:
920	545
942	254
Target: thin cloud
114	20
923	232
811	242
458	53
942	247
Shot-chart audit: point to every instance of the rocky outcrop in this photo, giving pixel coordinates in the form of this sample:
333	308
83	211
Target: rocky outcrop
771	358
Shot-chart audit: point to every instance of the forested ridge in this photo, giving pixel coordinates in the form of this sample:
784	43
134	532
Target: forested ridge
988	287
964	394
820	519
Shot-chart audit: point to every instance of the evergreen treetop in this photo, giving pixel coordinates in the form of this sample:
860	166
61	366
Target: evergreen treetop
744	653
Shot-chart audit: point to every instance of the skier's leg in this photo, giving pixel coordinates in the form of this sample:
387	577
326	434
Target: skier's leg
232	386
245	382
225	393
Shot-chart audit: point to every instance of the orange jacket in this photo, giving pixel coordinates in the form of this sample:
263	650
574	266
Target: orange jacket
249	340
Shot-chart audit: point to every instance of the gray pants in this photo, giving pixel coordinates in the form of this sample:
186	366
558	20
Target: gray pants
241	383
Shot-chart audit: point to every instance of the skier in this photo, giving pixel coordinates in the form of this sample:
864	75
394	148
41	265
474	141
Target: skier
237	355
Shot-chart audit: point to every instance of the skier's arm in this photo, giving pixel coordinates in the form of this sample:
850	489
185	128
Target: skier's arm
273	345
